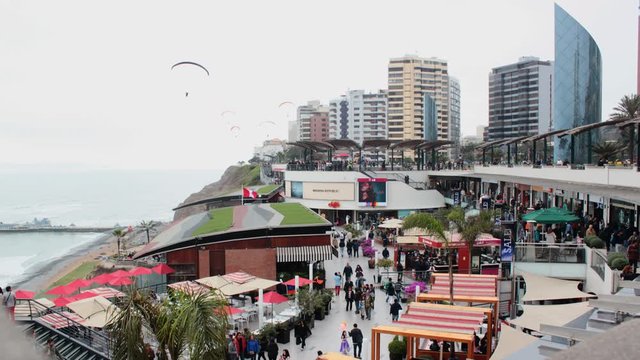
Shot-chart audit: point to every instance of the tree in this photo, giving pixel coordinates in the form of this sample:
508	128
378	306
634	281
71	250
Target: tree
607	150
472	227
188	325
148	226
435	228
628	108
119	233
468	153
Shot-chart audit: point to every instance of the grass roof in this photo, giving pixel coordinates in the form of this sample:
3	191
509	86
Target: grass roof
267	189
296	214
221	220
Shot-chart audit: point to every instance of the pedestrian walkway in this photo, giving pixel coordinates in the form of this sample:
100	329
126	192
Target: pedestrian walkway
326	334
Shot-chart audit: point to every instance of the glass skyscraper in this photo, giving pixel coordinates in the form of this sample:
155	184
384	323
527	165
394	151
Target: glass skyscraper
577	84
430	117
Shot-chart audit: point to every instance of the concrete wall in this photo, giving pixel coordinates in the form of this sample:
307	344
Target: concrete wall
596	284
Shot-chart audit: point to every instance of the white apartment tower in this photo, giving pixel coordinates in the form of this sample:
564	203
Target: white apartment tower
520	99
410	79
358	116
312	121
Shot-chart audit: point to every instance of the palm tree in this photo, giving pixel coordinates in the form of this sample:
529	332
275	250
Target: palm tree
436	228
470	228
191	325
607	150
119	233
148	226
628	108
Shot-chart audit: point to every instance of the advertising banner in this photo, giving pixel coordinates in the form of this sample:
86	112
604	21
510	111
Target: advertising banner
372	192
457	198
508	241
328	191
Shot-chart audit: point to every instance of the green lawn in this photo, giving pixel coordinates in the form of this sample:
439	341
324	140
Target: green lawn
267	189
296	214
80	272
221	220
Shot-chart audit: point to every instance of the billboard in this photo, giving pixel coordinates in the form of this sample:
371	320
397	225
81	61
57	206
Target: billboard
296	189
508	244
328	191
372	192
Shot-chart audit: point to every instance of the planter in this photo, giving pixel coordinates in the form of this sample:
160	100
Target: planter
372	263
283	336
327	307
319	314
395	356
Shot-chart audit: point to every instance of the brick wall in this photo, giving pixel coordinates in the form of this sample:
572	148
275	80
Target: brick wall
258	262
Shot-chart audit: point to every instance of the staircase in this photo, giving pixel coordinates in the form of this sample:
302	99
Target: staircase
67	348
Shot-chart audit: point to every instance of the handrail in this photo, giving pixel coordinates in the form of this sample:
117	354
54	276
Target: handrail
77	332
550	253
598	263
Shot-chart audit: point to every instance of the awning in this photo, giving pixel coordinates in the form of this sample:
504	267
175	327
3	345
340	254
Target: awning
557	315
408	240
540	288
61	320
456	241
511	341
304	253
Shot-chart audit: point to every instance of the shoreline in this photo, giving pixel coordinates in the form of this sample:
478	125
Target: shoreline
51	271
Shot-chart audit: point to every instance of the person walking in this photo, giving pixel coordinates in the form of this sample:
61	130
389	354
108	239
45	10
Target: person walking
350	297
349	248
337	280
9	301
253	347
342	244
272	349
368	306
633	252
385	253
355	244
232	348
356	338
285	355
344	343
301	331
395	310
391	290
400	270
263	348
347	271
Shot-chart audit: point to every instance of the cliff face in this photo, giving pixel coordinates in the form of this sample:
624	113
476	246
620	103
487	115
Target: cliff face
232	179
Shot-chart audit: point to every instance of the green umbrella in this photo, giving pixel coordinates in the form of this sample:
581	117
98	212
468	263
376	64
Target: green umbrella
551	216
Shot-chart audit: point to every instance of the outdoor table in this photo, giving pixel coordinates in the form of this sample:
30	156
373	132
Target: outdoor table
290	312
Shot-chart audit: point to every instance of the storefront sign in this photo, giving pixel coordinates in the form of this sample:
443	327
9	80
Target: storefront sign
508	248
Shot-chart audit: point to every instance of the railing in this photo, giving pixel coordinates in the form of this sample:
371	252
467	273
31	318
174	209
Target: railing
551	253
598	263
75	331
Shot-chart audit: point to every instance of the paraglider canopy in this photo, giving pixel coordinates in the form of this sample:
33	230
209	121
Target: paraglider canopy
190	63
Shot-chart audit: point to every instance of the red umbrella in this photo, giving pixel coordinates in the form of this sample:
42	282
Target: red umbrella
230	310
163	269
120	281
102	279
24	294
62	290
80	283
61	301
301	282
119	273
140	271
83	295
273	297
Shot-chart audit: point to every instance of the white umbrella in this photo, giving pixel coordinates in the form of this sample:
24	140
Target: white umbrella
96	311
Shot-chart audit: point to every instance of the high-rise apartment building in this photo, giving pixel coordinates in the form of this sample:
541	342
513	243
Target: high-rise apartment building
520	99
313	121
359	116
454	116
409	79
577	85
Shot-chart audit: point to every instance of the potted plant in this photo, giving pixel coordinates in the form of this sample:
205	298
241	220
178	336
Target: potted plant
309	301
268	331
369	252
283	333
326	295
397	349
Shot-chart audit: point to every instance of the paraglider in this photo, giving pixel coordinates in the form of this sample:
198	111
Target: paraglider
190	63
268	122
285	103
235	131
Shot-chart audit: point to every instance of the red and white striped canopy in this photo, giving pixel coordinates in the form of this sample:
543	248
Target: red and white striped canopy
61	320
106	292
441	319
465	285
239	277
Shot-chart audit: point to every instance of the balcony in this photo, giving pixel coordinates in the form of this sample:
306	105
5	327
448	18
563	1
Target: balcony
568	261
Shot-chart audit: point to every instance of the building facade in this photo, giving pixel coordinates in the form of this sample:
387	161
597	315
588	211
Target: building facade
313	121
577	86
269	149
454	116
359	116
520	99
409	79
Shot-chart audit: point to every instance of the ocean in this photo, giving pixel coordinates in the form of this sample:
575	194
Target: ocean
103	198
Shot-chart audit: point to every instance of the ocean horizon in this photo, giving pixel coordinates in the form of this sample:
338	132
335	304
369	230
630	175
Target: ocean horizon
101	198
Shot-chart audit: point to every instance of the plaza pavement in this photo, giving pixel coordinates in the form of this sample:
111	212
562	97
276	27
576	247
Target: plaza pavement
326	334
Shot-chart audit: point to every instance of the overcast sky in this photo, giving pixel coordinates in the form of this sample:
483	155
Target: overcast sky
88	83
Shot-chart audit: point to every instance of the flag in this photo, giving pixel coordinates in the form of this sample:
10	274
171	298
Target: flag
248	193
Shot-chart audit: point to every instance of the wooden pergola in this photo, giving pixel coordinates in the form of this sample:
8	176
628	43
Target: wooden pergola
413	335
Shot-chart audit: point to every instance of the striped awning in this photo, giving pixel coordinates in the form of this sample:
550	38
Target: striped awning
304	253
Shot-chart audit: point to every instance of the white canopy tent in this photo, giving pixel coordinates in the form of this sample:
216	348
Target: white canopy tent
511	341
541	288
96	311
557	315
